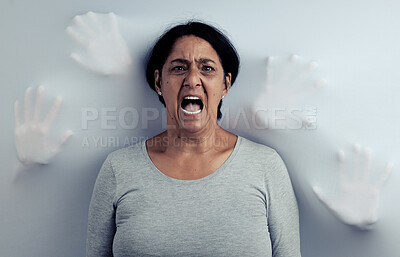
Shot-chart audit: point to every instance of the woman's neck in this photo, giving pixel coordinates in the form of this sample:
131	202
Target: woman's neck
177	141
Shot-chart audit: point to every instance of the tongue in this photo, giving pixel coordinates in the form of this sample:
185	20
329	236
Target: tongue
192	107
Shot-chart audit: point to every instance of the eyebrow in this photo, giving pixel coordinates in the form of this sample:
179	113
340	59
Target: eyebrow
201	60
205	60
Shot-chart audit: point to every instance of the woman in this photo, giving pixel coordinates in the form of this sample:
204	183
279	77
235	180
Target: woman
195	189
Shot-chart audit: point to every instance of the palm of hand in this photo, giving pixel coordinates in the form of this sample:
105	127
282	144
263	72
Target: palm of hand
356	201
32	138
289	81
106	51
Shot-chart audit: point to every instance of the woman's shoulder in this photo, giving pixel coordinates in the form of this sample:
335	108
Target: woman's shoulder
133	151
266	158
256	149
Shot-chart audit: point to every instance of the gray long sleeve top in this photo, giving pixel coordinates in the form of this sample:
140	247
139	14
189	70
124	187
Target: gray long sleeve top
245	208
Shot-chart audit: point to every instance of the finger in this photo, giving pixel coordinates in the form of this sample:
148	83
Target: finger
16	115
56	147
64	138
38	104
294	58
52	113
76	36
285	74
295	74
313	65
27	105
82	25
341	159
114	22
80	60
301	72
341	156
367	167
270	61
95	22
329	202
357	162
320	195
384	176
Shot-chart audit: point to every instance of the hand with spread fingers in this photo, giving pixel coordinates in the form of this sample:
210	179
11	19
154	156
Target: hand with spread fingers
32	136
289	82
356	200
106	51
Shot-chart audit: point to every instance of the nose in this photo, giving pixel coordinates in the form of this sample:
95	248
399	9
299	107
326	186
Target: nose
192	79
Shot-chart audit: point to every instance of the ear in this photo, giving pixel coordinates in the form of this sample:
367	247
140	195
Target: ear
157	81
228	78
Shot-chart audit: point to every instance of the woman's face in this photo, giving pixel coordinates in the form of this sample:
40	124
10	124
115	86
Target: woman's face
192	84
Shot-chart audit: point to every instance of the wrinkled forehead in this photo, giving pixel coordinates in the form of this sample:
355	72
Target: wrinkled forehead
193	49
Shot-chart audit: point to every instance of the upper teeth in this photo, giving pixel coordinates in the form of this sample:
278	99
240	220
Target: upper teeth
192	97
195	112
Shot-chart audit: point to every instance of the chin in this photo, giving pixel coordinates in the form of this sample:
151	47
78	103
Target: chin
192	126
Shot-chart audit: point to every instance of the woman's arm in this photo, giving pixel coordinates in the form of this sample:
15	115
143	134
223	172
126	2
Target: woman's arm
283	217
101	224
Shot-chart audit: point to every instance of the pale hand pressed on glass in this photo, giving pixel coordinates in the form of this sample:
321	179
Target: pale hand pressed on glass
356	200
290	81
32	136
106	52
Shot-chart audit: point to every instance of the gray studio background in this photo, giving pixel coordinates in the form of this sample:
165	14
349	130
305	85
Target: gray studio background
356	44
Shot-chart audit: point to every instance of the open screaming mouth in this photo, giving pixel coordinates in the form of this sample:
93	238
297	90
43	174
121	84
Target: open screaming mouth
192	105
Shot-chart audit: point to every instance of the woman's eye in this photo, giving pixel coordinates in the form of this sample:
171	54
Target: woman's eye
178	68
208	68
